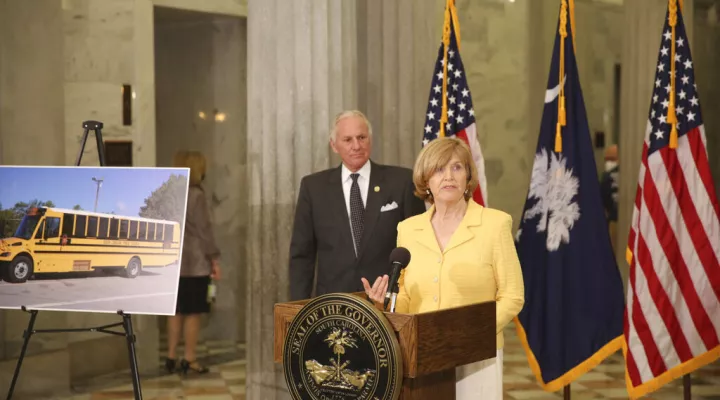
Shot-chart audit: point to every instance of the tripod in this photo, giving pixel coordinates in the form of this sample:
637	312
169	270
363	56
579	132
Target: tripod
126	323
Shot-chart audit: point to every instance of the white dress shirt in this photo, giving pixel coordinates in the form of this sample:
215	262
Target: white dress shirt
363	183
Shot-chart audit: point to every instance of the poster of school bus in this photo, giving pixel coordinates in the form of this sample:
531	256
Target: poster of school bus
91	239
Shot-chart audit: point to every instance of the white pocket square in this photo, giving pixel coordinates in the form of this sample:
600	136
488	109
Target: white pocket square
388	207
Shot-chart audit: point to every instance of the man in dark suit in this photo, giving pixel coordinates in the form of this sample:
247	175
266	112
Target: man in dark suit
346	217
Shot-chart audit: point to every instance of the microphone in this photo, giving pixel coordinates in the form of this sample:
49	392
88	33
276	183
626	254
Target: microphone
399	258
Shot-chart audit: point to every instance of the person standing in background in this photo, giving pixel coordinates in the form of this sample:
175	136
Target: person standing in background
199	267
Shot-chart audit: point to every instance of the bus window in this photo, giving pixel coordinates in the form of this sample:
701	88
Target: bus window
80	226
92	227
169	229
114	227
143	230
133	230
27	227
103	230
123	229
52	227
68	224
39	232
151	231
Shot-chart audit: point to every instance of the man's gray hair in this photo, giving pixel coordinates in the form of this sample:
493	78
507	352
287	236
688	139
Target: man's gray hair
347	114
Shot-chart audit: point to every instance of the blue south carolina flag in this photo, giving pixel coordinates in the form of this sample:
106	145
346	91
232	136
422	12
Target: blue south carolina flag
574	300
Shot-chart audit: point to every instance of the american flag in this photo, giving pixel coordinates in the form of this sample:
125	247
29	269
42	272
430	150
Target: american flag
672	315
460	111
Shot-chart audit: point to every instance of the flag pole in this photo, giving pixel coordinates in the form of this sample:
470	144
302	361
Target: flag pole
673	10
446	44
562	120
672	117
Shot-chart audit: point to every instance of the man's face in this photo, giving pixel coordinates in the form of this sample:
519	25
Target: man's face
611	157
352	142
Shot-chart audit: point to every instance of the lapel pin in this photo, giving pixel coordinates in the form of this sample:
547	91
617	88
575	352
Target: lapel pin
377	189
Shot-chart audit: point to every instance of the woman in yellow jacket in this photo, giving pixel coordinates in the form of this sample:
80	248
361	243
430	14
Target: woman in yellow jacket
461	253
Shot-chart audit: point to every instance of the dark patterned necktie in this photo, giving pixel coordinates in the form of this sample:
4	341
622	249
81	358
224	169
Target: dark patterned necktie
357	212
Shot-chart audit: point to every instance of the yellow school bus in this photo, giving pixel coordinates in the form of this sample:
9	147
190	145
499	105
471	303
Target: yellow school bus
60	240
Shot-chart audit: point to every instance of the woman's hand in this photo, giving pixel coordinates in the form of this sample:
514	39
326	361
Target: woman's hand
377	292
215	274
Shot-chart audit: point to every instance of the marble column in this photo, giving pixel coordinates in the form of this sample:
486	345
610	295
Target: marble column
643	24
31	84
398	42
301	58
31	133
64	62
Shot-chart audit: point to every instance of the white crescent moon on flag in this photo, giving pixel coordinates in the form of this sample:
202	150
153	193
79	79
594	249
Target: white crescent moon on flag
552	94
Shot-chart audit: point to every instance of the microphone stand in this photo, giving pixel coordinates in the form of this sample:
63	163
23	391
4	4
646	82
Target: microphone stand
393	297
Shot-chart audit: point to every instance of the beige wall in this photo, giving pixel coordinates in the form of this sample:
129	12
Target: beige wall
706	57
31	83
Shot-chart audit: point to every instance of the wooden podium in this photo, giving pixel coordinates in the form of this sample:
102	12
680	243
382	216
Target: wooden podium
432	344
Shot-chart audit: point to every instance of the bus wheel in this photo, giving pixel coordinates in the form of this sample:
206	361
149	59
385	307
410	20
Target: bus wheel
21	268
133	268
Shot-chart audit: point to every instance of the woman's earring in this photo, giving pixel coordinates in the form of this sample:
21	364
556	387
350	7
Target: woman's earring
428	192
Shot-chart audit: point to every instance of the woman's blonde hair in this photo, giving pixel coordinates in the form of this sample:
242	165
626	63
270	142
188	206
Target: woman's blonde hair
437	154
194	160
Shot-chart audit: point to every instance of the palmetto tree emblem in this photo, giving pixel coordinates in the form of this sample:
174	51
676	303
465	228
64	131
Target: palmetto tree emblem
555	187
339	339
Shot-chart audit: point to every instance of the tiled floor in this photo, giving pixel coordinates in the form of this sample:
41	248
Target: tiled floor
606	381
226	380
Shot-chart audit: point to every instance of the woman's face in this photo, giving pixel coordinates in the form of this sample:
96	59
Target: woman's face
448	183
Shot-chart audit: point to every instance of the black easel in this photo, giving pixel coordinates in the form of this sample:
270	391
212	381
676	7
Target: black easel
126	320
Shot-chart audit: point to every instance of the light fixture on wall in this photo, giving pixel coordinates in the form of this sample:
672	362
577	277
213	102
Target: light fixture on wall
218	116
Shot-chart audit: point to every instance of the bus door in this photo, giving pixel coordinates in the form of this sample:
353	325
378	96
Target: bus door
48	247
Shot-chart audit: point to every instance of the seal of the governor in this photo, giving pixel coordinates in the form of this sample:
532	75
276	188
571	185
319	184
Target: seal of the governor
340	346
